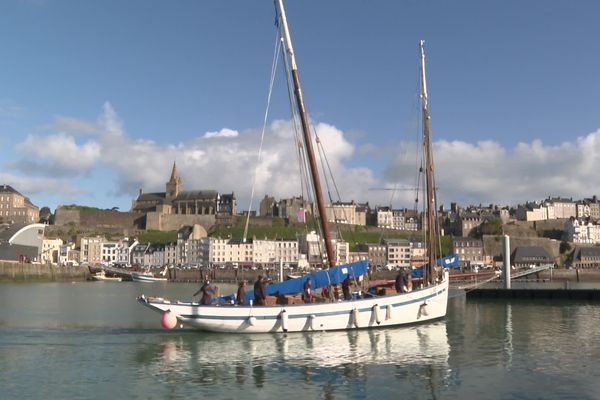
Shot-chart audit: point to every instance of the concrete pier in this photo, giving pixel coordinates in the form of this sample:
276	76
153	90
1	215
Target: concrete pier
557	294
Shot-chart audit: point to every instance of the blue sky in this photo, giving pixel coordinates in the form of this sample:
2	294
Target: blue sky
98	98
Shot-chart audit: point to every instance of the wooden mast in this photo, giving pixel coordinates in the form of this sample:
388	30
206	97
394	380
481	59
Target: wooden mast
430	211
307	137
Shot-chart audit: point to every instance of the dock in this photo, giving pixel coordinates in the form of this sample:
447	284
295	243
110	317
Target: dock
534	294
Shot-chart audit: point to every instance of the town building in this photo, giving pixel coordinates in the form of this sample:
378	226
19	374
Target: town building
293	209
90	249
531	212
402	219
585	257
20	242
562	208
16	208
398	252
418	253
530	256
138	254
50	250
68	256
375	252
469	250
582	231
347	213
125	248
313	247
176	207
469	223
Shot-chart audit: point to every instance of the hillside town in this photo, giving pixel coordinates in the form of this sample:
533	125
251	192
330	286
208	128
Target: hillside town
561	231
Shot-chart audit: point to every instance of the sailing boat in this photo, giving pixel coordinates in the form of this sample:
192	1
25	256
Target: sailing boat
425	303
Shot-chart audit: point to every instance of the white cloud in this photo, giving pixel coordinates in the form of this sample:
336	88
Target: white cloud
223	133
482	172
31	186
56	154
110	121
71	125
486	172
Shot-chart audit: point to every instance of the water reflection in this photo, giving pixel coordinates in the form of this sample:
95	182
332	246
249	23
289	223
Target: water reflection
508	336
386	346
327	359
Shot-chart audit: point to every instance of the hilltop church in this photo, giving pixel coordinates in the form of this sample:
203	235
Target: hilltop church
174	208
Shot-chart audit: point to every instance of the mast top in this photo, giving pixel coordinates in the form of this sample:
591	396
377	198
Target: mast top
286	34
423	75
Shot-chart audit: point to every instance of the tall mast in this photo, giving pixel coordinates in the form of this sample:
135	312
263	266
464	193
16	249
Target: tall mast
307	137
431	248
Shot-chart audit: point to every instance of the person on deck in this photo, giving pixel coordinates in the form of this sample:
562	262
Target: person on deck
336	292
346	287
408	280
241	293
259	292
400	283
326	292
207	292
307	295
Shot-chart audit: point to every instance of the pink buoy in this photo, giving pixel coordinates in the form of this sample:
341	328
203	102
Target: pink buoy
168	320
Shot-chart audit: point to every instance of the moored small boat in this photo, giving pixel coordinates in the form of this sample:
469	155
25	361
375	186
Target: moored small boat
146	277
101	276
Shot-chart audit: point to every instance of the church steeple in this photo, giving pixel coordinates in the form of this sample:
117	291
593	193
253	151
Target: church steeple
174	172
174	184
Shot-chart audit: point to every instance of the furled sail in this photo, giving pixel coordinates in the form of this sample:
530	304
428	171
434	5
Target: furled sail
318	279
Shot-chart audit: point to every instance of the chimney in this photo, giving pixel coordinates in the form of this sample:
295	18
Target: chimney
141	191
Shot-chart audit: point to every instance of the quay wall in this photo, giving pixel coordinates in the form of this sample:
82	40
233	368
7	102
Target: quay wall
24	272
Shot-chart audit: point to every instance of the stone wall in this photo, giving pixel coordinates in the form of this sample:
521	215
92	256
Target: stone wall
492	245
103	220
172	222
23	272
65	217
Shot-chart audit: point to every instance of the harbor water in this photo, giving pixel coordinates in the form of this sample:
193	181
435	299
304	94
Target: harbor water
91	340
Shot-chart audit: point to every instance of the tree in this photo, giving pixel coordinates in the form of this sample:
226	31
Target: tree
45	215
564	247
492	227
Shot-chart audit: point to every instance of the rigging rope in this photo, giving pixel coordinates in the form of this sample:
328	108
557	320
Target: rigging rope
262	135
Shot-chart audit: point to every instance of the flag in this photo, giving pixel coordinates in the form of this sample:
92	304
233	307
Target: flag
301	216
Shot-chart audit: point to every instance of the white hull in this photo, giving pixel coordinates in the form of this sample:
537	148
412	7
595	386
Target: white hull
398	309
137	277
101	276
106	278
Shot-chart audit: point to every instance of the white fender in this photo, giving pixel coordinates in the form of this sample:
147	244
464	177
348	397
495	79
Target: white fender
284	320
312	320
388	312
251	320
375	311
355	317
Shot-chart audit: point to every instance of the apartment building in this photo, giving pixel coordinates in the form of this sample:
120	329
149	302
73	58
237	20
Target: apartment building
16	208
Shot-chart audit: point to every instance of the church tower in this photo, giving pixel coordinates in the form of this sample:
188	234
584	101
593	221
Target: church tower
173	186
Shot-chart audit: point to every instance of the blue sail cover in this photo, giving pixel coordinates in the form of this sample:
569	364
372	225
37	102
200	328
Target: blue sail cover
319	279
447	262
